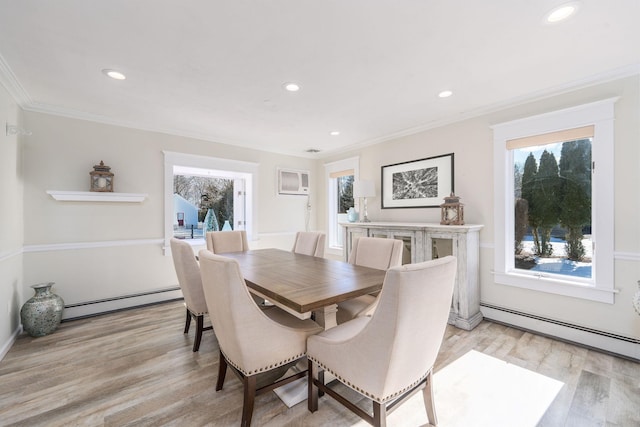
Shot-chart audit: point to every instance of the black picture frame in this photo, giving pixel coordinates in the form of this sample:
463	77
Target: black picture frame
419	183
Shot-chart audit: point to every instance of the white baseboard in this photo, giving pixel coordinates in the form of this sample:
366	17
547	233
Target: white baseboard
92	308
610	343
12	339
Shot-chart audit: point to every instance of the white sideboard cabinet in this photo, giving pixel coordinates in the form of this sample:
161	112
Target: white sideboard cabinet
425	241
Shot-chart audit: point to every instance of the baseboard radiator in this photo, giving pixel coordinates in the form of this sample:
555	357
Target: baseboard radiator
618	345
124	302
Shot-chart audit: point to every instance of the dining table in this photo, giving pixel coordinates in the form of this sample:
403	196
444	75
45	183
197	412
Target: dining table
304	285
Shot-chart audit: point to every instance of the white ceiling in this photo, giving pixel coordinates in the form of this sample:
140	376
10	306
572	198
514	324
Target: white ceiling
371	69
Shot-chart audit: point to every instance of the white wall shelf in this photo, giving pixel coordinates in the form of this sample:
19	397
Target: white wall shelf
94	196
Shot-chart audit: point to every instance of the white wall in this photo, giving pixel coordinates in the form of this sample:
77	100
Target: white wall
472	142
11	236
66	242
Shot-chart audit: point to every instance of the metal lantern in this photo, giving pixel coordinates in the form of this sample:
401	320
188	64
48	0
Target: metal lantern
452	211
101	178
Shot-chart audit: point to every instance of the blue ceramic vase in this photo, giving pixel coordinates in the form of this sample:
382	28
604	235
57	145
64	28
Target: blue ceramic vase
352	215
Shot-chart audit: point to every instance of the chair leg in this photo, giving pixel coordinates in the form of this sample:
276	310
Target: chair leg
379	414
222	372
199	328
187	323
427	394
249	399
312	397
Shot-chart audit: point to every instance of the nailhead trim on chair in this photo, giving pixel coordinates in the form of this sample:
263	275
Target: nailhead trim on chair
264	369
365	393
194	312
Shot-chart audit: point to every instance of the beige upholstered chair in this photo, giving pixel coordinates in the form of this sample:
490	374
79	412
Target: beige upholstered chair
188	273
254	343
373	252
220	242
309	243
390	355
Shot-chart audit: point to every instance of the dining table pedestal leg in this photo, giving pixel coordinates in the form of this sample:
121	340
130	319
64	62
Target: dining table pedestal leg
326	317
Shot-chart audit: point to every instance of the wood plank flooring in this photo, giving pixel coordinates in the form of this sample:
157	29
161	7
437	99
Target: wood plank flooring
136	368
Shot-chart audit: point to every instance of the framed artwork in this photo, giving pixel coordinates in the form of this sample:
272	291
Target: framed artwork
418	183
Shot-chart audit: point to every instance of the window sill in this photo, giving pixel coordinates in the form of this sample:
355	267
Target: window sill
557	287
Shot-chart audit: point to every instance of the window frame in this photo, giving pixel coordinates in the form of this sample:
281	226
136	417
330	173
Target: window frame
600	287
246	171
332	199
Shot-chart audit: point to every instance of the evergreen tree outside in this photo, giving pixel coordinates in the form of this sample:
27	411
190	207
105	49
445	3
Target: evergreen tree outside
224	204
575	212
211	221
521	221
528	190
345	193
546	200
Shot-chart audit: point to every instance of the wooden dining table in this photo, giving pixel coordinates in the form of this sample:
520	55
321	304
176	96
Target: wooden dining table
303	284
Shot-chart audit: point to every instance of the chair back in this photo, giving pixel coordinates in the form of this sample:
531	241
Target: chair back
376	252
406	329
221	242
188	273
309	243
396	347
250	340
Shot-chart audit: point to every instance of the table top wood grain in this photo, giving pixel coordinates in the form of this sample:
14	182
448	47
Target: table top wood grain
305	283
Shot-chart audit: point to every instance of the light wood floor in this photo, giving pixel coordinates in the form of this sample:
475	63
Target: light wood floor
136	368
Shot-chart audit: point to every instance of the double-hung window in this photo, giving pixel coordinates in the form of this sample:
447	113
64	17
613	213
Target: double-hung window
554	202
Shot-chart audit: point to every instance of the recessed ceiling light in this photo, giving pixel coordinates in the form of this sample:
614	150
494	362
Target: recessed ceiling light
561	12
445	94
291	87
334	133
117	75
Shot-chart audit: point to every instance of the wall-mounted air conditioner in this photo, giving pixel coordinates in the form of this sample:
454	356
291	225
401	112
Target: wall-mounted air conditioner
293	181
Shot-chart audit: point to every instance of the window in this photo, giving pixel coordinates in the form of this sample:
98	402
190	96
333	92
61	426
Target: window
340	178
236	181
554	202
552	205
204	201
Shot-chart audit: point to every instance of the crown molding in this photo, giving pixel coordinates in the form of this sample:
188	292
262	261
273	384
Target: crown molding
12	85
618	73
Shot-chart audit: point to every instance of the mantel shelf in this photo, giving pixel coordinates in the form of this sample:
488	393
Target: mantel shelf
94	196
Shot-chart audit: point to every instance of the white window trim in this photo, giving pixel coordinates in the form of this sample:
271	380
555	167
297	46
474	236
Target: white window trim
601	286
332	221
245	170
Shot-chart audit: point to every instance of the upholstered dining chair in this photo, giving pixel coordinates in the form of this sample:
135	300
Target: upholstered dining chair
258	345
220	242
309	243
389	356
188	273
374	252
